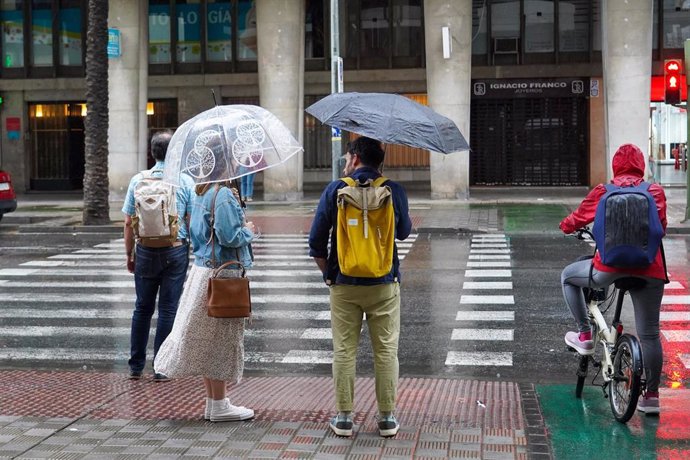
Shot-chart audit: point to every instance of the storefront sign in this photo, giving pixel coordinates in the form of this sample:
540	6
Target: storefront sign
13	125
508	89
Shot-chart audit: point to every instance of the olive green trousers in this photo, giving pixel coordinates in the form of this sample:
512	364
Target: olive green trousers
381	305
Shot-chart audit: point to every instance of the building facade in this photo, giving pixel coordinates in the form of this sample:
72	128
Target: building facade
543	89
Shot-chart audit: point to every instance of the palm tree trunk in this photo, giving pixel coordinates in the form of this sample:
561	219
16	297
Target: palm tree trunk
96	208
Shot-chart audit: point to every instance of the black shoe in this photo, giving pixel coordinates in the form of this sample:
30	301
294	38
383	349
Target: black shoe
135	375
341	425
160	378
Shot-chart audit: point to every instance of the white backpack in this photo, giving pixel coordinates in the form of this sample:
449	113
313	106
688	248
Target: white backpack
155	221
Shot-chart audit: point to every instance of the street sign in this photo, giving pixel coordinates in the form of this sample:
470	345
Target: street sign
335	133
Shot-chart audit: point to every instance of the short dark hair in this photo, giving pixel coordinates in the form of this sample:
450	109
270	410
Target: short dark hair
369	151
159	144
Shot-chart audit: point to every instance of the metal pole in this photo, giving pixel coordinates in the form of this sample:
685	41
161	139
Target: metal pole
687	134
336	86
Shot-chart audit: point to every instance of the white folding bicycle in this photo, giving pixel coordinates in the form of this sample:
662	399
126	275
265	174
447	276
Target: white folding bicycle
620	355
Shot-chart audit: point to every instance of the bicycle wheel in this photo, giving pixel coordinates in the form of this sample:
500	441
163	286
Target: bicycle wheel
624	389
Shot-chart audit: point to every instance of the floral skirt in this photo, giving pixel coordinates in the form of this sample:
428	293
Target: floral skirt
199	344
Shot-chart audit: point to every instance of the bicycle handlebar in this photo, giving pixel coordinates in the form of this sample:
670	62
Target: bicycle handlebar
581	232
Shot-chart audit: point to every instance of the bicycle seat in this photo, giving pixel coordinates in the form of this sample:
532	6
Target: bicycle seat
626	284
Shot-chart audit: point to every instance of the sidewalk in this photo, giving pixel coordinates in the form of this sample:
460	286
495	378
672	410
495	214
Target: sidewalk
103	415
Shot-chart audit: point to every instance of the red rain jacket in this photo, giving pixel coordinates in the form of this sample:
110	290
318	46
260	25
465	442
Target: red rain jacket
628	170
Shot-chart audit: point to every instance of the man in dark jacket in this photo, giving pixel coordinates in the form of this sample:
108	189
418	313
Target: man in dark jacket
628	170
351	297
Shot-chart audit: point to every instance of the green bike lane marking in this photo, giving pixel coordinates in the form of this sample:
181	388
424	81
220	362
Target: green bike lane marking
585	428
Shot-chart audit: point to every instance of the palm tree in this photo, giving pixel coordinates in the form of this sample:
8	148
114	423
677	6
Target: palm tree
96	208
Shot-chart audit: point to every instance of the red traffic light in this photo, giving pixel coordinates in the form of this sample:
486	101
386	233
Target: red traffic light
672	81
672	67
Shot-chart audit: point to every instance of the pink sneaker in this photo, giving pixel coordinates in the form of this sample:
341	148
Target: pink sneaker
574	340
649	403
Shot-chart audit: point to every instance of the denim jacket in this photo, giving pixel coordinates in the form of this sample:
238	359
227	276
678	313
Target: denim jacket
326	219
232	239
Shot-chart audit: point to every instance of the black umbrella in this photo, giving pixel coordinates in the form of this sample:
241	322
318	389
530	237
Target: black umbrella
391	119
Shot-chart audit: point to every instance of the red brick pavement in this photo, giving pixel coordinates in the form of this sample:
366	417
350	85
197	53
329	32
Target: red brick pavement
289	399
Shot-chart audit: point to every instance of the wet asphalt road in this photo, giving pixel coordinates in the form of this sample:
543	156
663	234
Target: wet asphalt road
439	326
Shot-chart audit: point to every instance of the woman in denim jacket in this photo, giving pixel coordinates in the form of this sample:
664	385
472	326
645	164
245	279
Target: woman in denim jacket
199	344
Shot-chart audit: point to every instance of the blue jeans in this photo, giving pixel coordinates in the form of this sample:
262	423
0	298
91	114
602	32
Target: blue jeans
247	185
158	272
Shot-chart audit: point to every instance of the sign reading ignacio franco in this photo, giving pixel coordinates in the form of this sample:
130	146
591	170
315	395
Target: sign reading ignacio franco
524	88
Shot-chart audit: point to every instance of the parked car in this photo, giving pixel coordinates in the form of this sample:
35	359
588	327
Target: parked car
8	199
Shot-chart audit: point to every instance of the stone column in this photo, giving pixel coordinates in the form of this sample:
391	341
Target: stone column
280	33
448	88
627	57
127	88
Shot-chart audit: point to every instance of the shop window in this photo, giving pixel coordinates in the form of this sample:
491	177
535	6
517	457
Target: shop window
246	29
11	14
676	23
218	31
159	32
71	23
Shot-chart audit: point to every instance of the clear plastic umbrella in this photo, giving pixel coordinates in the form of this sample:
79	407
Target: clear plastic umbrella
227	142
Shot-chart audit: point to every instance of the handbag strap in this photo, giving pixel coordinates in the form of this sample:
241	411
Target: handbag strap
213	231
217	270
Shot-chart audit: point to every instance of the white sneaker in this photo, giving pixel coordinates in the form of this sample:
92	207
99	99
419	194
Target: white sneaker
223	411
207	411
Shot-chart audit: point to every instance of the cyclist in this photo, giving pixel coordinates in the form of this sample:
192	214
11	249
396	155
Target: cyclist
628	170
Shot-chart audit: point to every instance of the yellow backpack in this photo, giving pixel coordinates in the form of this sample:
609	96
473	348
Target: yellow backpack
365	228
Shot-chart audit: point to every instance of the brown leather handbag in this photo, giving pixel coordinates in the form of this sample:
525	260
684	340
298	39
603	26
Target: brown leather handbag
229	297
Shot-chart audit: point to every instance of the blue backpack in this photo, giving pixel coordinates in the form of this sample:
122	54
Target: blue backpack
627	228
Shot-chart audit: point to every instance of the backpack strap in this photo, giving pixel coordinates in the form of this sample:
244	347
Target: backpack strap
349	181
378	182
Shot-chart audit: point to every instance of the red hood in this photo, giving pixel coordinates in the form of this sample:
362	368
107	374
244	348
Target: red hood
628	165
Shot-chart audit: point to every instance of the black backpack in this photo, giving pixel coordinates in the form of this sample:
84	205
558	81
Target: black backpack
627	228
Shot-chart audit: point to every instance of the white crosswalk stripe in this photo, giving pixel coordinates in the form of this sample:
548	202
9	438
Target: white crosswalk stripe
489	256
87	296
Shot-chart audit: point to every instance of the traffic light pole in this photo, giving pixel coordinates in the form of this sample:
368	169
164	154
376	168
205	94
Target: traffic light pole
687	133
336	86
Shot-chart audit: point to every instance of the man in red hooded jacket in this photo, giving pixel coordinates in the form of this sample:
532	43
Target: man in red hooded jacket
628	170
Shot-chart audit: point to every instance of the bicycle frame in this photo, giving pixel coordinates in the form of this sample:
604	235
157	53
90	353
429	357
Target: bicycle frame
606	336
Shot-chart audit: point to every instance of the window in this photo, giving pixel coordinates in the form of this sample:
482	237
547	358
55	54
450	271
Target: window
159	32
70	26
374	35
408	33
246	29
573	25
539	26
41	33
315	30
188	49
479	17
218	31
676	23
12	33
